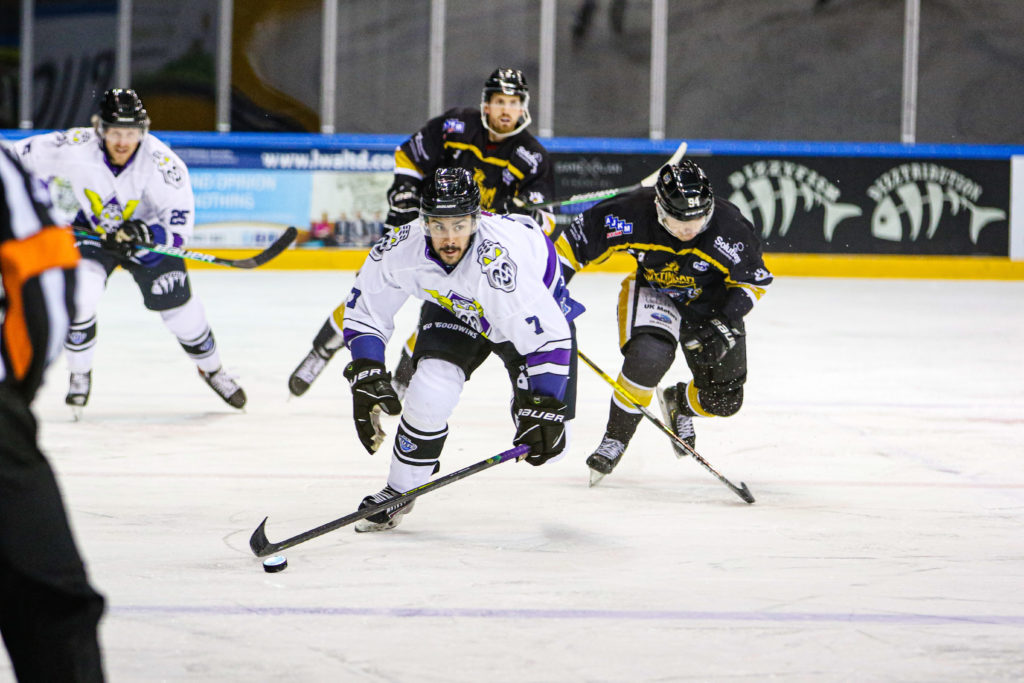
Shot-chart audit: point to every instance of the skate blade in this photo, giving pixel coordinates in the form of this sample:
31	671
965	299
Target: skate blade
364	527
76	413
595	478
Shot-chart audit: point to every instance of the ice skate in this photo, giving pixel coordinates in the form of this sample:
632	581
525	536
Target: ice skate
304	375
225	386
388	518
604	459
676	419
78	392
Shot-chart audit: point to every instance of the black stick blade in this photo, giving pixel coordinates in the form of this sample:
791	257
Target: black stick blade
279	245
258	541
745	493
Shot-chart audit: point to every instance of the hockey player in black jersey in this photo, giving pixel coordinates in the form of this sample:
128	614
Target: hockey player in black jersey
699	272
506	161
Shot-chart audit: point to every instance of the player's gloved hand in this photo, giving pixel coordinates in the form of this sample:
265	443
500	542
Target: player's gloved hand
540	425
403	201
128	236
710	341
371	393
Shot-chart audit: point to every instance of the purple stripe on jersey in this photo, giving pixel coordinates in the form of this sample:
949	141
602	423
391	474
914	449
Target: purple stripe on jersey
557	356
364	345
553	269
549	385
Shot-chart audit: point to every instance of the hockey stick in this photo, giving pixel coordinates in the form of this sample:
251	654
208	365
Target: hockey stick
742	491
598	195
276	247
261	547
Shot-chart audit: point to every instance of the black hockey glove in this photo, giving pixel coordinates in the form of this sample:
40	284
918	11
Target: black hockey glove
540	422
403	201
129	235
711	341
371	393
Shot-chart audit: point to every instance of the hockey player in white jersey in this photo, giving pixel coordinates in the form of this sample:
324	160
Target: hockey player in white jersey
120	183
493	283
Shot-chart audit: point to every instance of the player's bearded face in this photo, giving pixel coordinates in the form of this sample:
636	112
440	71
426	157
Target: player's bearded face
121	143
503	112
680	229
450	236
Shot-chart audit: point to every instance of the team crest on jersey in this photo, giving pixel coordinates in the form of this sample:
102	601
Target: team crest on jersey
617	227
673	283
166	283
497	266
109	214
454	126
388	242
465	309
172	174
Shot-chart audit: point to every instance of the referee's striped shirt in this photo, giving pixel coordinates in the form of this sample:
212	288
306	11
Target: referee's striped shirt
37	261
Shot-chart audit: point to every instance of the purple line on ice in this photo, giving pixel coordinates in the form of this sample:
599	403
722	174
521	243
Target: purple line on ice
577	614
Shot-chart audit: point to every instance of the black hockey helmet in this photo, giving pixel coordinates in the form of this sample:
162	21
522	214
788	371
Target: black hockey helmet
507	82
122	108
451	192
683	191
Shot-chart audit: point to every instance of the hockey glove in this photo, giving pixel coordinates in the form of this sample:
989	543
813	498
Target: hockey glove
540	424
371	393
711	341
129	235
403	201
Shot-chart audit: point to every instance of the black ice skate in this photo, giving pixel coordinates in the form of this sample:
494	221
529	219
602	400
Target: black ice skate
604	459
388	518
676	418
225	386
309	369
78	392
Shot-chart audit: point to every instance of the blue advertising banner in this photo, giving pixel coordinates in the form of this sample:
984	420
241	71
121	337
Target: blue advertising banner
248	208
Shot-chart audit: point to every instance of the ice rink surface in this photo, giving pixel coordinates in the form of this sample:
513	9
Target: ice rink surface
881	435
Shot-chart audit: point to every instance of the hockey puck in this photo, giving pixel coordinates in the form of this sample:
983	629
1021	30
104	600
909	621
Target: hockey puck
277	563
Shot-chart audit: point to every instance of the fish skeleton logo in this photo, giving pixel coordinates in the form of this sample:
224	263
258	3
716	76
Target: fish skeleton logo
769	192
388	242
906	194
497	266
466	310
166	283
